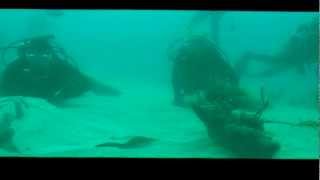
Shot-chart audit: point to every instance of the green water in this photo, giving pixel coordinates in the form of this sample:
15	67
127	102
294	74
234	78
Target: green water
131	51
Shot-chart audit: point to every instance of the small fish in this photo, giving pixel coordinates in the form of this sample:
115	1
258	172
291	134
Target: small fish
134	142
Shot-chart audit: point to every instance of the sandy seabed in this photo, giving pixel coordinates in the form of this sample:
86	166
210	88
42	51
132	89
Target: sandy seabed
142	110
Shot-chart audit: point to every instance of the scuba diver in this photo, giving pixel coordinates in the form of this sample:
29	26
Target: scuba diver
299	52
198	61
197	66
43	69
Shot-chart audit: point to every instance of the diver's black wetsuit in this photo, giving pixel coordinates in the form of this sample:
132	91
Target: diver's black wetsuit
300	51
43	70
51	80
199	67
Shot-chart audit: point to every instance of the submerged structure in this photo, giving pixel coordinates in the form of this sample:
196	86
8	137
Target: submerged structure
234	127
232	117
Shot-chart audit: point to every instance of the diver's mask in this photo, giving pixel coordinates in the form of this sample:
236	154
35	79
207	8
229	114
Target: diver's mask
38	57
33	51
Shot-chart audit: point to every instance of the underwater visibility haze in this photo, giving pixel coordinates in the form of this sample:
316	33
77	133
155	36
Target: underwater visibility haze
159	84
